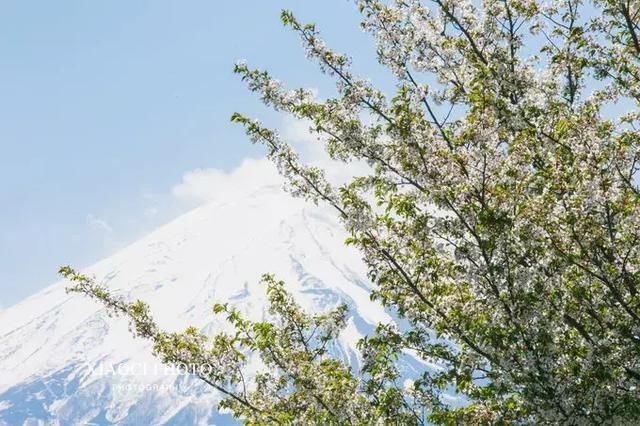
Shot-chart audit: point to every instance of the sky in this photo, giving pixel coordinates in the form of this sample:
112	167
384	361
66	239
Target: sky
114	116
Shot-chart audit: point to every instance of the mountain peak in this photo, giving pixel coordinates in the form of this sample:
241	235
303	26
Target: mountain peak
52	343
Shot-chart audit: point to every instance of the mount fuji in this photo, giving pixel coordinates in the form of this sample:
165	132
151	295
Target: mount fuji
63	361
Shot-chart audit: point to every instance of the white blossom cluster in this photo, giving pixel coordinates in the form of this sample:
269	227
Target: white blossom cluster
507	198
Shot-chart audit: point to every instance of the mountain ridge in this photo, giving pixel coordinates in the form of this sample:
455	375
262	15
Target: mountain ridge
52	342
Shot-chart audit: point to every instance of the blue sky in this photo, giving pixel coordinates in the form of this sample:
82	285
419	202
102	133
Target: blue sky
105	105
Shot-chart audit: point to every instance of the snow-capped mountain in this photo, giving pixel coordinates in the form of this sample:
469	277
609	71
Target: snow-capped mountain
64	361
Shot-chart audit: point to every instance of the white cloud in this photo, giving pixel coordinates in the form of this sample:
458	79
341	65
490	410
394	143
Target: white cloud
99	224
310	146
297	131
206	185
203	185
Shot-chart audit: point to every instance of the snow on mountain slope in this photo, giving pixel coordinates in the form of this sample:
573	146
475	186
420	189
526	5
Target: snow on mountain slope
64	361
